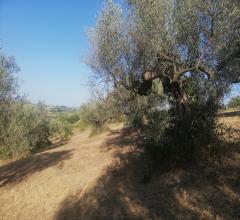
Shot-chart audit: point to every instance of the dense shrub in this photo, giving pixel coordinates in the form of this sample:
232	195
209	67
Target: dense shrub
178	140
26	130
97	114
159	145
60	128
73	118
29	128
23	127
94	115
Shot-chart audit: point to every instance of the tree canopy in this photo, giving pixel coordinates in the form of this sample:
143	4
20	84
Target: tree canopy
138	42
189	48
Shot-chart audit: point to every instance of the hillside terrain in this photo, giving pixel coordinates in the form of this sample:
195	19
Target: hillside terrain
157	131
101	177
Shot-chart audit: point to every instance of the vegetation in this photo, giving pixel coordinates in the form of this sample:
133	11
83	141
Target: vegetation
167	66
234	102
163	67
25	127
188	48
97	114
22	128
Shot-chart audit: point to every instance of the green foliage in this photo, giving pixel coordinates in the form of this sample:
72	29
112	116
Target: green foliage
97	114
166	38
160	145
234	102
23	127
26	130
159	121
73	118
187	48
8	81
94	115
135	108
59	127
166	145
136	119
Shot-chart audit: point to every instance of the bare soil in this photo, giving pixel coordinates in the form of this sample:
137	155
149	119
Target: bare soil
101	177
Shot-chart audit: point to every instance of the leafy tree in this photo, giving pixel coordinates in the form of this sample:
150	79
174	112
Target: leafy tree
187	46
27	130
23	127
8	81
8	92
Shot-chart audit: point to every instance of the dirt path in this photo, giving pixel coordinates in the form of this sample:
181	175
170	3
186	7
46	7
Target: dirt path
101	177
35	187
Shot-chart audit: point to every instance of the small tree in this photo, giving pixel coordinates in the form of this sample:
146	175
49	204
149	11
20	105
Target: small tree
95	114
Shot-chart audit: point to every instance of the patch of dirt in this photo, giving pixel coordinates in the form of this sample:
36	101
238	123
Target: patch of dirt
100	177
33	188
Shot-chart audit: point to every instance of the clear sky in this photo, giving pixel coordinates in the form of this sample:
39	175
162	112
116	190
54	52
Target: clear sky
48	40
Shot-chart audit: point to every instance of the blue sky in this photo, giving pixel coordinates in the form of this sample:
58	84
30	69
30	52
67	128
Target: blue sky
48	40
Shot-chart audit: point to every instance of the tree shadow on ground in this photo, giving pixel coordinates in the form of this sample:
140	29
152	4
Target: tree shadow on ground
125	137
53	145
204	191
229	114
16	171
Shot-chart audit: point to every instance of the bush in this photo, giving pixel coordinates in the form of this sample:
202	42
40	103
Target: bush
234	102
60	128
160	146
27	130
136	119
23	127
73	118
177	139
94	115
168	146
98	114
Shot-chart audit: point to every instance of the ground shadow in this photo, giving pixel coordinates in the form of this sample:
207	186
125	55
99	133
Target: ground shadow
54	145
203	191
229	114
125	137
16	171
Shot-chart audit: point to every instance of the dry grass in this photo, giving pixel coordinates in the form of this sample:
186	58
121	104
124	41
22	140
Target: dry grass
101	177
231	121
34	187
230	124
230	117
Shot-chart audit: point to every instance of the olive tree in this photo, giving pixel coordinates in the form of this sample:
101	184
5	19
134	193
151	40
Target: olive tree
191	46
23	127
8	91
